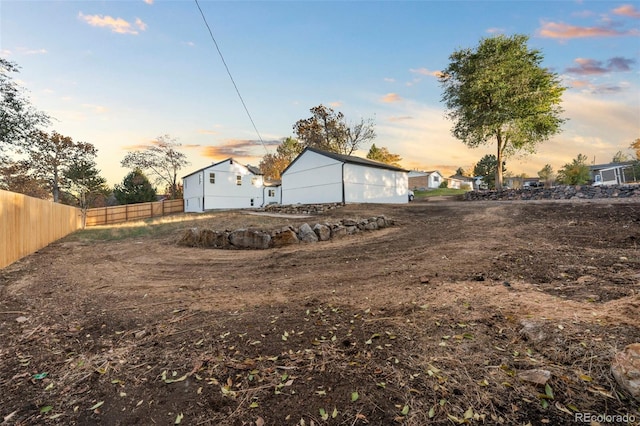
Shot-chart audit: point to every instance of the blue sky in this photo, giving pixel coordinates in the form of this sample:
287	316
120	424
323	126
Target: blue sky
118	74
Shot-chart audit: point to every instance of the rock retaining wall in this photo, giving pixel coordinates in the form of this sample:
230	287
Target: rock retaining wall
564	192
300	208
288	235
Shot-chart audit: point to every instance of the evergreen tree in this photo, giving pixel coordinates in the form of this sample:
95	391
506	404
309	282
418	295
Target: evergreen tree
135	188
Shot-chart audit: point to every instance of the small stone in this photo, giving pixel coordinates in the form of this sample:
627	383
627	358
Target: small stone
537	376
626	369
22	319
424	280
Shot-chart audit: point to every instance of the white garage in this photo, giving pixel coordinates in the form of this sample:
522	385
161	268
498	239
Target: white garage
317	176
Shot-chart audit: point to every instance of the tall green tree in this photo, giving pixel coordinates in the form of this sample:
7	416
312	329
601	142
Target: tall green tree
546	175
383	155
486	168
499	93
135	188
161	160
576	172
51	154
84	184
460	171
18	118
328	130
272	165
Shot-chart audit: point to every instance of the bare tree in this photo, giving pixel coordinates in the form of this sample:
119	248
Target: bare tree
327	129
161	160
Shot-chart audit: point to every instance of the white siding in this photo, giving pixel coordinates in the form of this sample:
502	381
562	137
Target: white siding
316	178
200	194
313	178
193	192
271	199
374	185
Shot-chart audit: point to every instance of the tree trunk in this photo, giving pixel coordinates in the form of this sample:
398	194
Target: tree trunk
499	165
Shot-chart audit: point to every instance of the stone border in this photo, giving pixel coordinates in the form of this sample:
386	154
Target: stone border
563	192
288	235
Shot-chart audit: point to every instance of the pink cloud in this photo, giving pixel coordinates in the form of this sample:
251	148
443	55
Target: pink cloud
391	97
425	71
627	10
116	25
561	30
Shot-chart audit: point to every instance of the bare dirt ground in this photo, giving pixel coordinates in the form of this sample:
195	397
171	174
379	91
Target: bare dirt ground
436	320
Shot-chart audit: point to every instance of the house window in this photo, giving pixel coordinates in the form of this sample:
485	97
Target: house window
238	180
272	193
254	181
436	179
212	178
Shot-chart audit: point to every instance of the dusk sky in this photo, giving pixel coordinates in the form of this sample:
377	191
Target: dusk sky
118	74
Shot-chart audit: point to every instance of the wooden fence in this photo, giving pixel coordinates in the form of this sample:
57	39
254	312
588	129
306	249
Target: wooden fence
119	214
28	224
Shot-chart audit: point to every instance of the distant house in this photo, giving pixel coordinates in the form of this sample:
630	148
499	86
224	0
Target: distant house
460	182
226	185
613	173
421	180
318	176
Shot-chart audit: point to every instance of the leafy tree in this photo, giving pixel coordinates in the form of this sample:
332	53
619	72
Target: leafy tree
328	130
135	188
16	176
84	185
500	93
50	155
272	165
486	168
460	171
161	160
546	175
620	157
576	172
383	155
635	145
18	119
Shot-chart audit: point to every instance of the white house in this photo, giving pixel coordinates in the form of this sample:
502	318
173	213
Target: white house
425	180
613	173
226	185
317	176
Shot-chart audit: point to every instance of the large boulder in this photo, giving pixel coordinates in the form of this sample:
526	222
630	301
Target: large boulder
249	239
190	238
284	237
322	231
214	239
626	369
306	234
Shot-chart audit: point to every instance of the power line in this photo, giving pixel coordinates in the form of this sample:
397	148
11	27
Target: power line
230	76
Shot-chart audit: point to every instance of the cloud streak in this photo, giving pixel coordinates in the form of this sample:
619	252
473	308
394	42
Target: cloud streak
241	148
391	98
116	25
561	30
627	10
588	66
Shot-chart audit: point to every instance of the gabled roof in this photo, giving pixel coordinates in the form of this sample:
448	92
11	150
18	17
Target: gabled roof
350	159
252	169
623	165
461	177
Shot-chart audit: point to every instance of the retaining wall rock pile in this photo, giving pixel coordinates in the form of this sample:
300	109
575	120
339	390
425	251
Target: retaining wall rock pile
310	209
288	235
563	192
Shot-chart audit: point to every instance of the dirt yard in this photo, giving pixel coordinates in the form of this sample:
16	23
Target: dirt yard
462	312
